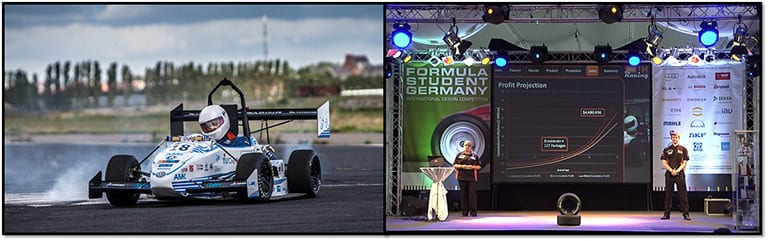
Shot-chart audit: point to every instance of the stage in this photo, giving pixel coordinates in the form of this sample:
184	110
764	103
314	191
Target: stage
545	222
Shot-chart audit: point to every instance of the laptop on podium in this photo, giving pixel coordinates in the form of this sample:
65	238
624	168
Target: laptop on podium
437	161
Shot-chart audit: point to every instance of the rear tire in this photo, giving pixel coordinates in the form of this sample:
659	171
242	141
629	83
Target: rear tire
120	170
304	172
266	180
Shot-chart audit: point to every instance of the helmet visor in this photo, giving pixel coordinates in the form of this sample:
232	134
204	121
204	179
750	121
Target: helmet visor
212	125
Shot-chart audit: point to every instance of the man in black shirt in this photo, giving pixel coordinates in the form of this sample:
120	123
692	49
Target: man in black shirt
674	158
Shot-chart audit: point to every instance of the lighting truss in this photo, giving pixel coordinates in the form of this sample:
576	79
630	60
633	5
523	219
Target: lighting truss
564	13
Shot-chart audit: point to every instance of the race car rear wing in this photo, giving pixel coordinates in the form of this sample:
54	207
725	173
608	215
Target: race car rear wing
322	114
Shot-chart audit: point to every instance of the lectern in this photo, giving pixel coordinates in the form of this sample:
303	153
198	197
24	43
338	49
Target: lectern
437	200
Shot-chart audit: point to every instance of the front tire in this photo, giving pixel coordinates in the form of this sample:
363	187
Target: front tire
120	169
266	180
304	172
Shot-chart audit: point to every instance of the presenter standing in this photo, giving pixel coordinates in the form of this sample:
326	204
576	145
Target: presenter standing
674	158
467	163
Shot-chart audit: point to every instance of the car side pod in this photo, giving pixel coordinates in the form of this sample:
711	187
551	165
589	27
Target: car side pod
93	185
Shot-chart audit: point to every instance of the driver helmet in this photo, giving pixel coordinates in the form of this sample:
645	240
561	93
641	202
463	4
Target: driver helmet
214	122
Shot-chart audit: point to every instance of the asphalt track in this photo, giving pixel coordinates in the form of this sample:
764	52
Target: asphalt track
350	201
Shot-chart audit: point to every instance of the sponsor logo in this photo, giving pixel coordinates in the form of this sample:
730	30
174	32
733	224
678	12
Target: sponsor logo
722	75
698	146
191	168
696	99
165	165
228	161
671	123
725	146
160	174
180	176
698	111
675	110
696	135
671	99
698	76
722	99
723	123
168	161
726	111
697	124
721	87
667	88
697	87
671	75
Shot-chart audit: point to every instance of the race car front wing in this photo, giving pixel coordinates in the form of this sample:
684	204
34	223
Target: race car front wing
96	186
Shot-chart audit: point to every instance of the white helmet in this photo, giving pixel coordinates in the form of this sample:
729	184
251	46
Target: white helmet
214	122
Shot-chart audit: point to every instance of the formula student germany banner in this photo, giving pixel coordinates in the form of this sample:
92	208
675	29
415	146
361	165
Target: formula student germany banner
703	103
442	107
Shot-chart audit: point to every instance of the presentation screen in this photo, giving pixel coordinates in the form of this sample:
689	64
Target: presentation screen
571	124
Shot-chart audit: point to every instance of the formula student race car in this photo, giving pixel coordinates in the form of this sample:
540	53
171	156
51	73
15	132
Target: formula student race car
197	166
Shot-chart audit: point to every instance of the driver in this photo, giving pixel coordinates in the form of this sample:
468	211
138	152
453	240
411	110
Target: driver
214	122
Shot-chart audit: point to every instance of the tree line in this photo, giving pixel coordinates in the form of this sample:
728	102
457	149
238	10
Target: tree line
71	86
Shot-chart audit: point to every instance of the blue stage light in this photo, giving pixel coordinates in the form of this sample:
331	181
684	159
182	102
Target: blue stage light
501	61
708	35
401	36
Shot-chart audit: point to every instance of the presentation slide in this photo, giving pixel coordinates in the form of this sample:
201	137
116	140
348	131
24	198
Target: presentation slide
570	124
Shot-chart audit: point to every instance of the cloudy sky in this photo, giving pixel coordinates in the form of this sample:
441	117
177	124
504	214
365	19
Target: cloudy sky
140	35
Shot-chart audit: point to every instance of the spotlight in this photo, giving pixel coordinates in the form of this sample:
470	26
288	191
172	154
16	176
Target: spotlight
603	54
708	35
401	35
457	46
633	58
539	54
709	57
407	58
753	66
611	13
495	14
653	40
569	206
500	61
740	37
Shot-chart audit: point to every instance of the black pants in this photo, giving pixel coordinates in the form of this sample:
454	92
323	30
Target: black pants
670	180
468	197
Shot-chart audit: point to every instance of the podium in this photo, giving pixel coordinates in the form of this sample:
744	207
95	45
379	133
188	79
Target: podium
437	200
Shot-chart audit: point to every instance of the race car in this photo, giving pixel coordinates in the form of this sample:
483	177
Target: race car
206	167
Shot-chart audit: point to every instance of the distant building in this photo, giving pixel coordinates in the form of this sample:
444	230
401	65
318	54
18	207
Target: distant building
358	65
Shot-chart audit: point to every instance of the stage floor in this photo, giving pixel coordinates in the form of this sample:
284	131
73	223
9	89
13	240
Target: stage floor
608	222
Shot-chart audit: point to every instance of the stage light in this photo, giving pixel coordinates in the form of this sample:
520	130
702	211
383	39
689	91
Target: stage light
657	60
468	61
633	58
603	54
739	46
486	60
653	40
569	206
500	61
407	58
448	60
611	13
539	54
708	35
495	14
694	59
401	35
458	47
